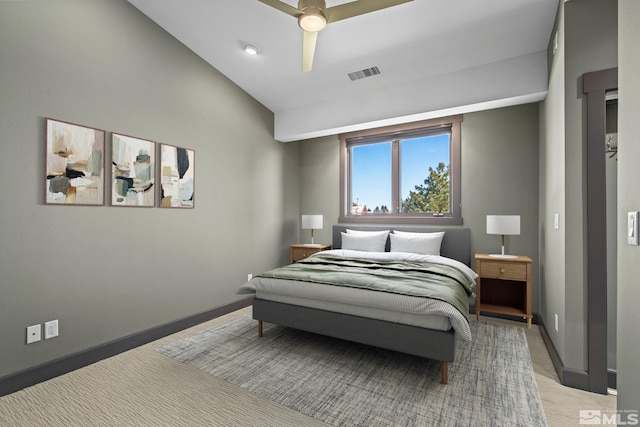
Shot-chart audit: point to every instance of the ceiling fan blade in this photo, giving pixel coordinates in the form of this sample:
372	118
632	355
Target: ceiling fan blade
308	49
360	7
282	7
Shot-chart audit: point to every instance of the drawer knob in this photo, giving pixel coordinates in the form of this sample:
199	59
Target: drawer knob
502	270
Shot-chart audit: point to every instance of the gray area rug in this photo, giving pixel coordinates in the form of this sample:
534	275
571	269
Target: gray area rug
346	384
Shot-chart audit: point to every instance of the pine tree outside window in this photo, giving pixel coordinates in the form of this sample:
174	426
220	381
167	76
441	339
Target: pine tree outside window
402	174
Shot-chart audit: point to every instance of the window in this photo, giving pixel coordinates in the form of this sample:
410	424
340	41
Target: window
403	174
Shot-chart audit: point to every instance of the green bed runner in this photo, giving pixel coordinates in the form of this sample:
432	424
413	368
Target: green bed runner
419	279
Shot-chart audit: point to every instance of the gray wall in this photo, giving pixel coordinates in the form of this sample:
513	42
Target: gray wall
499	175
628	200
591	35
552	192
107	272
587	35
319	183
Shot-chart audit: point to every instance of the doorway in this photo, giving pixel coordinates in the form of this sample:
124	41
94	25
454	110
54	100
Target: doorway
611	160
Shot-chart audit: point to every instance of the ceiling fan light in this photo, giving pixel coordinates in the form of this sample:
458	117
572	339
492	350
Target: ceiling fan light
312	21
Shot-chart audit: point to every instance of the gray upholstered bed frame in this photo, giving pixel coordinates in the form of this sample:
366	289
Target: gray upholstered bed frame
428	343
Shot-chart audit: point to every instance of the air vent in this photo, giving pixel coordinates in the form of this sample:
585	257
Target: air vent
363	74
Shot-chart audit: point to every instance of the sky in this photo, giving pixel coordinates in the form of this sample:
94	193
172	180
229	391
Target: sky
371	168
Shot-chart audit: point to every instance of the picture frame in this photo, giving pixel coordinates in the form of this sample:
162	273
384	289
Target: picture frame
133	171
74	164
177	177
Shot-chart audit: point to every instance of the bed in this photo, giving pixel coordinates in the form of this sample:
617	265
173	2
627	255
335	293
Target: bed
421	324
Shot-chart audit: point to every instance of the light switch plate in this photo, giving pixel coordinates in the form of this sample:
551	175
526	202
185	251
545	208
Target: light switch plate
632	228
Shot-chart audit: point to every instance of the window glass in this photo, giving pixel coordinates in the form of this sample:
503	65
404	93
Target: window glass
370	178
424	174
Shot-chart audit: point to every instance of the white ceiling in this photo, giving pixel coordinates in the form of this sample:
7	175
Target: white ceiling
436	57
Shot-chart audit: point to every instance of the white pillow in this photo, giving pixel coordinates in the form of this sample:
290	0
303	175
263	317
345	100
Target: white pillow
417	243
414	234
364	242
371	233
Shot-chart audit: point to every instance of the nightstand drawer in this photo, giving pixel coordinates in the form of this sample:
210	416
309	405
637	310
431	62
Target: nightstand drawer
299	253
503	270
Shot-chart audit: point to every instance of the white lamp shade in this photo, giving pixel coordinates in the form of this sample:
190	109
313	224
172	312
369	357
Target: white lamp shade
503	224
313	222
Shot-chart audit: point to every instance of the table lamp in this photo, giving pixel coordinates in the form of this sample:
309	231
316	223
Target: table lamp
503	224
312	222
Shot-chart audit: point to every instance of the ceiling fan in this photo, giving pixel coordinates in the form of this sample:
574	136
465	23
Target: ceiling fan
314	15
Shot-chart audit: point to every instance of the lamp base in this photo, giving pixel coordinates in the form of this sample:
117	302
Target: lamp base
503	256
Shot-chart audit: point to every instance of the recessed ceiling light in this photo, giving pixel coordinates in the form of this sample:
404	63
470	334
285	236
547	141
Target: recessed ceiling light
251	49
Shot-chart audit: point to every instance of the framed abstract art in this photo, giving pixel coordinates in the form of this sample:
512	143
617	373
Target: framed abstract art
74	164
177	174
133	173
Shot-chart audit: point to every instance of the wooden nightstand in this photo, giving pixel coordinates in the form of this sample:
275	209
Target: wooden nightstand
299	252
504	286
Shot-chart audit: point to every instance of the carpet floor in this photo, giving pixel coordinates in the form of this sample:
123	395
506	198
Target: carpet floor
346	384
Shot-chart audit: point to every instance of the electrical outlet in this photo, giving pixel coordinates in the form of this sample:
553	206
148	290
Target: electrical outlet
249	276
50	329
34	333
556	315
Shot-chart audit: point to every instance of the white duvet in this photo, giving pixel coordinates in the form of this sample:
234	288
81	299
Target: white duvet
405	256
415	311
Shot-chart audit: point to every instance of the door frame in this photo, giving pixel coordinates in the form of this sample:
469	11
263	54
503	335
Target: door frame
595	86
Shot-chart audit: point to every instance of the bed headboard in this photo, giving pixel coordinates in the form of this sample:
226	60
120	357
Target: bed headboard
456	243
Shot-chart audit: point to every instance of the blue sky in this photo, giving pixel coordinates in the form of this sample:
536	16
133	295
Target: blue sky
371	173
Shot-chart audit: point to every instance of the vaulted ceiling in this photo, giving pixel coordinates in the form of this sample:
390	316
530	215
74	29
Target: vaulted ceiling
435	57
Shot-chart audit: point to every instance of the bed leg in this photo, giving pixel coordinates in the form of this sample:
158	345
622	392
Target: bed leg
260	328
444	372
